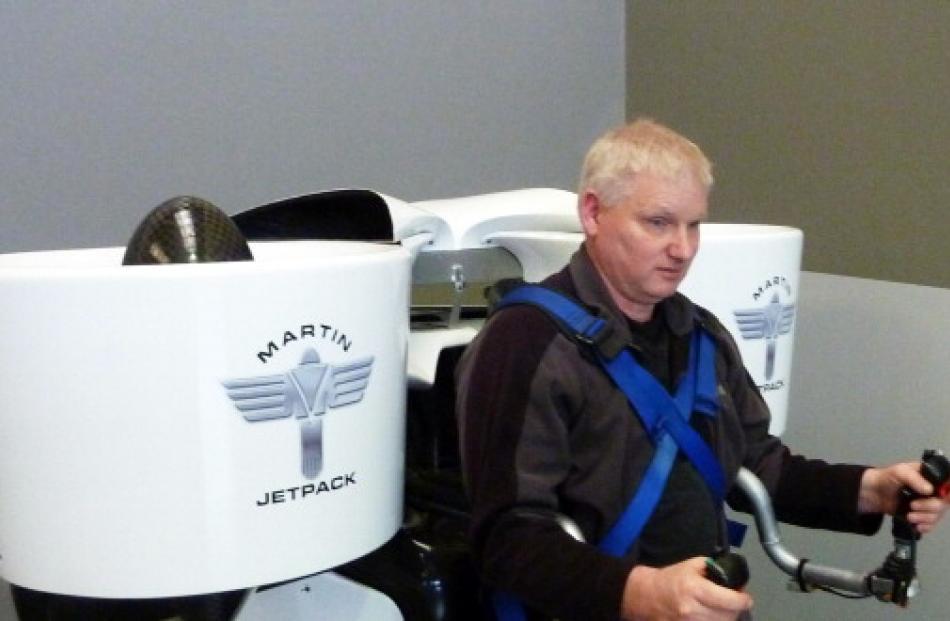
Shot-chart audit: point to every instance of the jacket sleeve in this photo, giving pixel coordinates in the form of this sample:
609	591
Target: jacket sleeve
513	419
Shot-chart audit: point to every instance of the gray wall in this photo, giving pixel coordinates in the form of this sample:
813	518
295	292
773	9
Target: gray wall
107	108
830	116
110	107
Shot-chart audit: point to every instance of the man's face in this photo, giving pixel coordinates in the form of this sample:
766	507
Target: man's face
644	245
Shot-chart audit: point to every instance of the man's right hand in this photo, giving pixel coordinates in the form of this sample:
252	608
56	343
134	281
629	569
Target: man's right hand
680	592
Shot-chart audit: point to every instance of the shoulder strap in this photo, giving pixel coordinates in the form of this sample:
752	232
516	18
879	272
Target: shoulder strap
571	317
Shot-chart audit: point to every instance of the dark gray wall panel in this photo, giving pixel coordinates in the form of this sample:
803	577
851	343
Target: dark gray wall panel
829	116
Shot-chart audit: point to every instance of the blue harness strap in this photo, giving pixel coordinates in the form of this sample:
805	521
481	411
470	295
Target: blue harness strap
662	414
666	420
665	417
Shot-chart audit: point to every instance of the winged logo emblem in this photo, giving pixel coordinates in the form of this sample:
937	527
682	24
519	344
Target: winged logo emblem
768	322
304	392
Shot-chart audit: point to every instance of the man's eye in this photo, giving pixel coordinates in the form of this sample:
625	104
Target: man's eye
657	222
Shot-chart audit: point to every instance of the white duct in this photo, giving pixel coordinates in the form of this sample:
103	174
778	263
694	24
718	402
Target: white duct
127	468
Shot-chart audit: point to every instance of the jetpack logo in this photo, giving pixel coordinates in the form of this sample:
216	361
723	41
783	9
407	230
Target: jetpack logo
304	392
768	322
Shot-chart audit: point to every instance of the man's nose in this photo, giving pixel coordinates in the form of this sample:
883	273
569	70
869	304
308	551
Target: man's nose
681	245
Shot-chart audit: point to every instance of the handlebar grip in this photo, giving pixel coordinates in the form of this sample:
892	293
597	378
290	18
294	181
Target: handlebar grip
727	569
936	469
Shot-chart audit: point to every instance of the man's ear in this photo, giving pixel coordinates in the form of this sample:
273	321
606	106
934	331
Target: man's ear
589	209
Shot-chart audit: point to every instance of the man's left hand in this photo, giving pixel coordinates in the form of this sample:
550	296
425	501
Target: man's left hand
879	494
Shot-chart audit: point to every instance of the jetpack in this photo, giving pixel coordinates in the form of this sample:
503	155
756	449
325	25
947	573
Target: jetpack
250	417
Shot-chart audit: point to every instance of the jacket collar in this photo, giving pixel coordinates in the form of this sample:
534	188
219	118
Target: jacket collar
680	313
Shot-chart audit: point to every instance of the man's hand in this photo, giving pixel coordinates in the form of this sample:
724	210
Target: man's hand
680	592
879	494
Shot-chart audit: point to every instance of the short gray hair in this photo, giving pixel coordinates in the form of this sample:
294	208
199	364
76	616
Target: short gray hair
641	146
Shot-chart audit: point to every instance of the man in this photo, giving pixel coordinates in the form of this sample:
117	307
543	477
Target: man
544	431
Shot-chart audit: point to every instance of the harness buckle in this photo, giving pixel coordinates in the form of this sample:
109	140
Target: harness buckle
595	334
